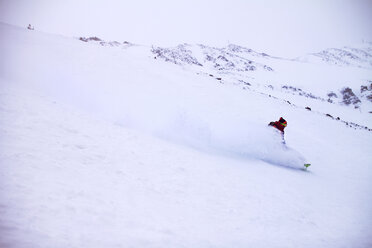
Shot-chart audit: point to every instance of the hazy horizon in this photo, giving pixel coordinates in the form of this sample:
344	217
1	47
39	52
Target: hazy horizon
281	28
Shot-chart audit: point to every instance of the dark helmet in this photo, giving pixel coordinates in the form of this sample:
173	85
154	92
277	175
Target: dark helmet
283	122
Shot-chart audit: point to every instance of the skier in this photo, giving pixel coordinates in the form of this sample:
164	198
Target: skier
280	125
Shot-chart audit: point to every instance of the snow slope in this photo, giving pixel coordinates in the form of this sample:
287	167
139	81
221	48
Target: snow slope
315	84
109	147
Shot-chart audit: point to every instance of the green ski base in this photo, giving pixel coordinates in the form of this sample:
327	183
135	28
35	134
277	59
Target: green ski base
306	166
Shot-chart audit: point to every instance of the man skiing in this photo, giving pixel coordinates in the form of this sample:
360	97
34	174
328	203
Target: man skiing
280	125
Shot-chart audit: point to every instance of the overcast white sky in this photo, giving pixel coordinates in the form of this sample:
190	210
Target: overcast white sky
278	27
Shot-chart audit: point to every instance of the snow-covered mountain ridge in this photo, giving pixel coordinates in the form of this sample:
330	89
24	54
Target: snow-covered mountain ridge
105	43
270	75
106	146
237	64
346	56
230	59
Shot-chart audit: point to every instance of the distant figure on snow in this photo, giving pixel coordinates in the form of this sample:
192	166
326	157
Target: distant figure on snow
280	125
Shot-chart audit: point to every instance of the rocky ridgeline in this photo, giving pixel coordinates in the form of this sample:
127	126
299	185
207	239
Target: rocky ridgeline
229	59
366	91
345	96
180	55
101	42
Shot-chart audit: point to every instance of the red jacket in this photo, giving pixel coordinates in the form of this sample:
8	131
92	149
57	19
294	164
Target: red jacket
277	125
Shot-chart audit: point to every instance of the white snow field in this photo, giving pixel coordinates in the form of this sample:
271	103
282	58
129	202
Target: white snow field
106	146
